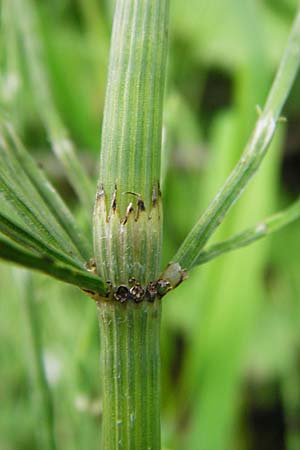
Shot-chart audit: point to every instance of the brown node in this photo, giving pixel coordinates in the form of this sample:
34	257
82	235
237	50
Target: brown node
163	287
122	294
151	291
137	292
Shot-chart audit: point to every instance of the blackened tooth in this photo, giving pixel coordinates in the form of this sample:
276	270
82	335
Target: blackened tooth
114	200
141	205
128	211
154	196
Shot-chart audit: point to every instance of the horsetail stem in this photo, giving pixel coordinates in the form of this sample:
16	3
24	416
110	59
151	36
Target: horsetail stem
128	213
128	225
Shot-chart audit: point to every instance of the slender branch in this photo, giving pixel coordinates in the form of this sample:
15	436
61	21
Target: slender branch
262	229
252	157
20	192
26	238
61	143
28	214
47	192
16	254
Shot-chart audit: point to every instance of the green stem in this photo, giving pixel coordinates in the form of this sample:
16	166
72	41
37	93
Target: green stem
130	360
128	212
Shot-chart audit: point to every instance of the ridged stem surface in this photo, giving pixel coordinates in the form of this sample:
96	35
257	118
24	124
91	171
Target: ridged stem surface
128	213
130	364
132	124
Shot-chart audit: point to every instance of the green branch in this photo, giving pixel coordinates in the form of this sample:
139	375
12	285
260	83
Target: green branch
28	239
252	157
262	229
27	213
14	253
47	192
28	197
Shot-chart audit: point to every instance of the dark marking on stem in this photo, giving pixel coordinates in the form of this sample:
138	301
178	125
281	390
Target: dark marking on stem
158	189
141	205
154	196
137	293
163	287
132	193
122	294
132	281
154	290
114	200
128	212
151	291
140	208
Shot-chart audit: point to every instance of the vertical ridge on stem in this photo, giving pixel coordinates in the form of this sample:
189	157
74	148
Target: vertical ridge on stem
132	123
130	357
128	212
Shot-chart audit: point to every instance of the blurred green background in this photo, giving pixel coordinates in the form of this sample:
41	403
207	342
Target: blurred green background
230	335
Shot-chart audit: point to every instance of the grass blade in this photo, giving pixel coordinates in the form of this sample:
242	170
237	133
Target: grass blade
14	253
252	157
262	229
